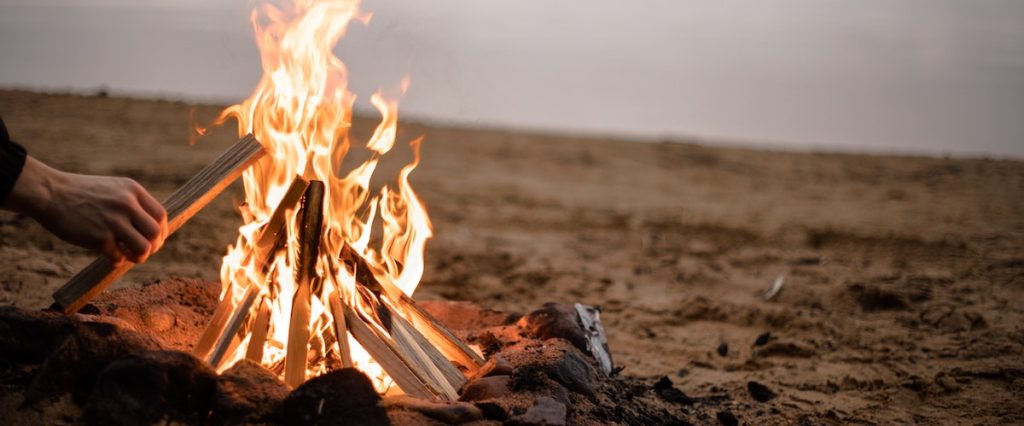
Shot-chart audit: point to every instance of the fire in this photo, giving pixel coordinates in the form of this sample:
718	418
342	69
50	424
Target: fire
301	112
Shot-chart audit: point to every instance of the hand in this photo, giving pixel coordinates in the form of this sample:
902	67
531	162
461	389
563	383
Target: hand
112	215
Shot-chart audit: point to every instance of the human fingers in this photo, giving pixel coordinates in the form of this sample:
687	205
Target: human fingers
135	247
109	247
148	227
156	211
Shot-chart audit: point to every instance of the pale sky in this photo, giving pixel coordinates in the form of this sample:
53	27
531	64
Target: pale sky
919	76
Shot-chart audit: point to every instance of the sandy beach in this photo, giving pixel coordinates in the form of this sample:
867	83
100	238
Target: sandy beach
902	297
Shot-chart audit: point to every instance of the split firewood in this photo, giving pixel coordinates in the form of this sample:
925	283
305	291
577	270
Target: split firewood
446	378
180	206
340	327
217	321
310	235
273	234
260	329
388	356
437	334
228	337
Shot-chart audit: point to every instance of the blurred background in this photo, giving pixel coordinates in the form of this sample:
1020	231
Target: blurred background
932	77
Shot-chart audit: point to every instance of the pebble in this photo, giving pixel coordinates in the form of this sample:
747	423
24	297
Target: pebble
159	318
760	392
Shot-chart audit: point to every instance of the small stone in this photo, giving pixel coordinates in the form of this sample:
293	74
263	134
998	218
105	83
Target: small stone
159	318
247	393
682	373
340	397
727	418
723	349
486	388
449	413
545	411
573	372
763	339
760	392
667	391
492	411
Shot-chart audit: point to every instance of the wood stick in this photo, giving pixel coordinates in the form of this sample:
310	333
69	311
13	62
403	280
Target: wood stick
434	331
451	374
238	317
388	356
340	328
309	252
217	321
402	334
260	329
273	234
180	206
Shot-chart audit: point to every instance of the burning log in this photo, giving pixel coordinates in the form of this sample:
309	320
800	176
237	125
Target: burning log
309	252
272	236
388	356
227	341
437	334
260	328
180	206
340	328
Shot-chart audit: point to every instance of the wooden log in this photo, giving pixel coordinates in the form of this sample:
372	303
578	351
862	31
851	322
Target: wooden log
340	327
310	233
388	356
217	321
226	339
272	236
445	382
434	331
260	329
180	206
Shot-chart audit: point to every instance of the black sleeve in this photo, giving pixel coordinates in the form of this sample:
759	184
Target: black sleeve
12	160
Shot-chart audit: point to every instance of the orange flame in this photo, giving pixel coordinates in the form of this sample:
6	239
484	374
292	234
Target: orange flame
301	112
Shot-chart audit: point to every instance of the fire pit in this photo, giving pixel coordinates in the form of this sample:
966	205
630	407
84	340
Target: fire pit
313	319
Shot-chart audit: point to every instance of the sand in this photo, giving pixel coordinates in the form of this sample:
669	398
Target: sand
903	292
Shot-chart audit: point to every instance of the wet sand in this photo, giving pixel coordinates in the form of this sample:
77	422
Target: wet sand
903	295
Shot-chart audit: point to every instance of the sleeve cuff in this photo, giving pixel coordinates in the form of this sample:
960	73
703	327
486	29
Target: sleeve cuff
12	161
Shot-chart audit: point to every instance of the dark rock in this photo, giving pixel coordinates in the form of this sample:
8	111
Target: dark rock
340	397
553	320
723	349
74	365
667	391
763	339
545	411
492	411
572	371
486	388
682	373
247	393
727	418
447	412
28	337
760	392
150	387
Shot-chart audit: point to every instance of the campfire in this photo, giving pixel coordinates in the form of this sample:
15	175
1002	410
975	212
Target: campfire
304	290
